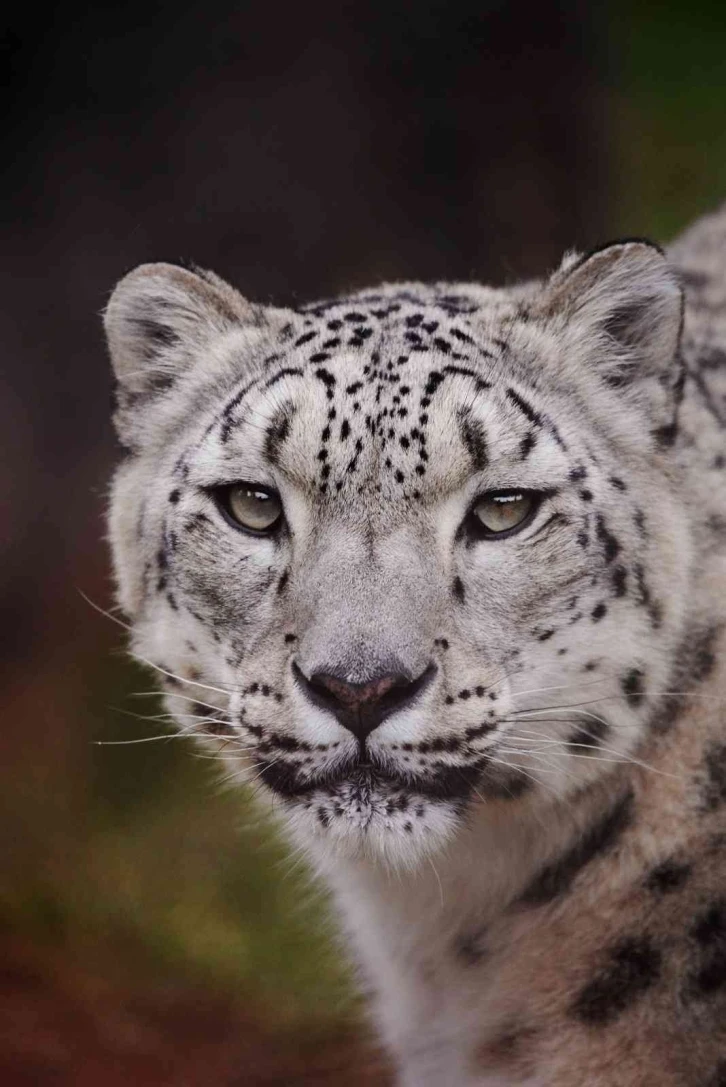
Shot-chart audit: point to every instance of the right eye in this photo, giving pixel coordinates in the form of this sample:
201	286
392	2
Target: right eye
251	507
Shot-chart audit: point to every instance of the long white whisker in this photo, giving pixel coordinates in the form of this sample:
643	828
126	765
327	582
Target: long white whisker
103	612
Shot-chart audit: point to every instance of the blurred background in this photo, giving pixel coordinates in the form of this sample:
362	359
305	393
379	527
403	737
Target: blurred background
152	930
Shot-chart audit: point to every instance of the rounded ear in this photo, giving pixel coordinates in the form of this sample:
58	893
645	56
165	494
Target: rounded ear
620	311
160	315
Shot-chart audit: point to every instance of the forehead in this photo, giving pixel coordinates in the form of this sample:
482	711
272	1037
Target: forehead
407	392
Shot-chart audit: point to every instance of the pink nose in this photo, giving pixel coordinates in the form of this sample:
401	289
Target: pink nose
362	707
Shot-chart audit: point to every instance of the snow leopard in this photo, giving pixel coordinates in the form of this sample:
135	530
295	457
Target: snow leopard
440	569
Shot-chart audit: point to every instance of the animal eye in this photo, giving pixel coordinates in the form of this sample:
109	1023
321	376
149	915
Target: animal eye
252	507
499	513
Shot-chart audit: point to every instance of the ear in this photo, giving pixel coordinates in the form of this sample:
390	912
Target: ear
158	318
620	311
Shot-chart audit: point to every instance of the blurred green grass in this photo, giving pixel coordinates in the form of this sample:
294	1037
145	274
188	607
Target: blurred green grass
166	872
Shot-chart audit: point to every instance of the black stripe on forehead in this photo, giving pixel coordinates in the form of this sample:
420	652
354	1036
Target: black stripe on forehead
225	419
536	418
474	438
278	432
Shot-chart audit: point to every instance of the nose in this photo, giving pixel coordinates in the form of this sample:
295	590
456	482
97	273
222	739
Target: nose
362	707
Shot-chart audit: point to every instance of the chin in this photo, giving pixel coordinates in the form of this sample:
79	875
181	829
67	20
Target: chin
364	812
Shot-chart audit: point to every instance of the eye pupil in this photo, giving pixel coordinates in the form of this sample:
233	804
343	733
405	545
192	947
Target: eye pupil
252	507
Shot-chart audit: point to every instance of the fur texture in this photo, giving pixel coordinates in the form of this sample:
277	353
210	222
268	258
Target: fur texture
529	849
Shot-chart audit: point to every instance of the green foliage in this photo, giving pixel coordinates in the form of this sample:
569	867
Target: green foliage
667	113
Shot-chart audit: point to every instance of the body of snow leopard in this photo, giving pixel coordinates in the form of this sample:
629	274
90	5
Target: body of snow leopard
529	852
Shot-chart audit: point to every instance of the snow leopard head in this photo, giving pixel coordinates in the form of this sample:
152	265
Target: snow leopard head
411	552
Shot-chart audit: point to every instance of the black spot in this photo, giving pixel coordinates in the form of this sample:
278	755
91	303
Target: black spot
586	495
620	581
590	735
598	612
545	637
174	496
609	542
458	590
578	473
556	878
709	932
702	656
634	966
305	338
618	483
289	638
714	793
633	687
283	581
668	876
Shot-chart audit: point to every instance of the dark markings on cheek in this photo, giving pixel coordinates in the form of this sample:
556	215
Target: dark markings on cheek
557	878
458	590
633	966
305	338
714	791
197	520
504	783
591	735
633	685
283	581
668	876
611	546
709	933
474	439
644	598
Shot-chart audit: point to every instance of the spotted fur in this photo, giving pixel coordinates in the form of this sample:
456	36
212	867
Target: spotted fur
552	789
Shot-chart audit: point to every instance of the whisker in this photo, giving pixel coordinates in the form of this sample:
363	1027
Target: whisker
182	679
103	612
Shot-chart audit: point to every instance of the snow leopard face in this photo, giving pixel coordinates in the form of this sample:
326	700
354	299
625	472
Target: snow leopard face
410	552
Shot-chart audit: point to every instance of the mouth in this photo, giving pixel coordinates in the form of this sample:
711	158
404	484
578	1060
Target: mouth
369	775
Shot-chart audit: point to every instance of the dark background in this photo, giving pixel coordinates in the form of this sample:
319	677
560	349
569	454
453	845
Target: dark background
151	928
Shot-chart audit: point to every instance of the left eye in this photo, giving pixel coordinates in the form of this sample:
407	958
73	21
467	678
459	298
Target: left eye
252	507
500	512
